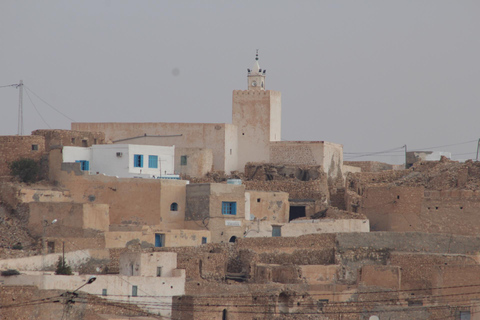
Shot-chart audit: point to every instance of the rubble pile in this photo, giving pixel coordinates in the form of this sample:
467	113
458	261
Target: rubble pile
432	175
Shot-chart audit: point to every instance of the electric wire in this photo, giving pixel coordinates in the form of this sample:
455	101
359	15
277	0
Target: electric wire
9	85
375	153
49	104
29	98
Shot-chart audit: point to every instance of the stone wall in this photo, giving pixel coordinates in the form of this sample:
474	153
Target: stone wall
56	138
315	189
15	147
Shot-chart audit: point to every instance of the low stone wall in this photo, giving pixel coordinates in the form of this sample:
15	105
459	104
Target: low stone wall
296	189
49	261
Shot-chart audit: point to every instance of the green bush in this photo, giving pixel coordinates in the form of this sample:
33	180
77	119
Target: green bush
63	267
17	246
25	169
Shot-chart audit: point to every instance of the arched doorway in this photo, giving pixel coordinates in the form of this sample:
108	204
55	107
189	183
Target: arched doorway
233	239
283	303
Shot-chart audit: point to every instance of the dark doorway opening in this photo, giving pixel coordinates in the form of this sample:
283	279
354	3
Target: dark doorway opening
296	212
51	247
232	239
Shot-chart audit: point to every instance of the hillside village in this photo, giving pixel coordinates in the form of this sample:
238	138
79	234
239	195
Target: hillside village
229	221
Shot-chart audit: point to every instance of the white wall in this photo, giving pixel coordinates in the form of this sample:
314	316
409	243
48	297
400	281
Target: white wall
72	154
166	159
301	227
73	259
152	291
105	160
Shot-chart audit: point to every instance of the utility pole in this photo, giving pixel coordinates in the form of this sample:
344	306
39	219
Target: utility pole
20	105
478	145
20	108
405	146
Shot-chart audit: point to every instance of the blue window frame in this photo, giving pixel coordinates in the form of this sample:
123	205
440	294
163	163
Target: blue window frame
229	208
84	164
174	207
138	160
153	161
204	240
159	240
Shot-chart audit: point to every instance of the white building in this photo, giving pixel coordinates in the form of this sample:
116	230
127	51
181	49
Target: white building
124	160
149	280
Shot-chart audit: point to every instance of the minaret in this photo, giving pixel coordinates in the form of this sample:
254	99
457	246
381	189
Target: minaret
256	76
257	114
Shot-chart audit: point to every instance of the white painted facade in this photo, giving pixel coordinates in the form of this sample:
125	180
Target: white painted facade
125	160
148	291
301	227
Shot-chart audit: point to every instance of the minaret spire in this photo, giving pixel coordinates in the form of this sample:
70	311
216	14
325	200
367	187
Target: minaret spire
256	77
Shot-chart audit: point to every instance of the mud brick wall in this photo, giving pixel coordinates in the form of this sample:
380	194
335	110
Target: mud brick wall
59	138
315	189
418	270
15	147
392	208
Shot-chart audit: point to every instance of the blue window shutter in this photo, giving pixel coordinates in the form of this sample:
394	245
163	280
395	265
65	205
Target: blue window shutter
87	165
153	161
138	161
229	208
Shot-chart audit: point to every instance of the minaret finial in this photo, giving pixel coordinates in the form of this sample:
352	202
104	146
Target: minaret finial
256	56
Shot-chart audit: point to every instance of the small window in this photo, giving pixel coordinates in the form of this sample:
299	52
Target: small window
183	160
95	141
34	147
84	143
138	160
104	292
204	240
73	140
229	208
258	200
84	165
174	207
153	162
134	291
276	231
159	271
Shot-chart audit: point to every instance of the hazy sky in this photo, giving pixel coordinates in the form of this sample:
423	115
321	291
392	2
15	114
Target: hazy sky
371	75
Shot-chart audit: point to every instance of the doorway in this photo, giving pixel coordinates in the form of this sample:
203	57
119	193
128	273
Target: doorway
296	212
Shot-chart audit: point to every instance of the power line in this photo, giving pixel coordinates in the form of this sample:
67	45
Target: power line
9	85
49	104
37	110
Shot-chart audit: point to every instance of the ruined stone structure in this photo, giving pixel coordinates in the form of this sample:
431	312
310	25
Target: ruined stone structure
437	197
